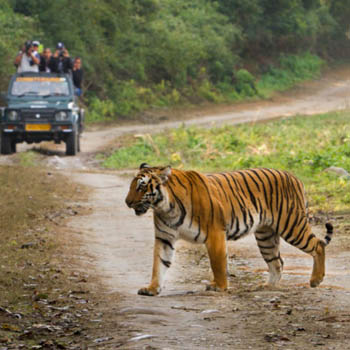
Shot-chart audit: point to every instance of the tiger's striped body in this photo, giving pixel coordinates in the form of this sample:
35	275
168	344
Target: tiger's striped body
214	208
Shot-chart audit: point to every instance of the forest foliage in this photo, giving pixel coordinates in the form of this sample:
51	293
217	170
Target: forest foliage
140	54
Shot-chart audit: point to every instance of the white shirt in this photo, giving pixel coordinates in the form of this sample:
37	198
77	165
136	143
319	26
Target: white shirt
26	66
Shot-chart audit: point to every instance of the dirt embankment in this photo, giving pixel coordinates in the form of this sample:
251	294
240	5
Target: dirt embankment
116	247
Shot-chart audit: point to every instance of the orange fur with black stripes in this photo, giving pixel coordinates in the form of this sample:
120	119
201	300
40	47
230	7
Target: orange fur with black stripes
214	208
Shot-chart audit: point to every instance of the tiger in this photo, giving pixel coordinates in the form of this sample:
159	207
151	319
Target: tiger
214	208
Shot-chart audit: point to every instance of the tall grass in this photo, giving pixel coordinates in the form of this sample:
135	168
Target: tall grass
306	146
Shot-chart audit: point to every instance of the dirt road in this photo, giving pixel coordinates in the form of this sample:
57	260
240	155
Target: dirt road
119	247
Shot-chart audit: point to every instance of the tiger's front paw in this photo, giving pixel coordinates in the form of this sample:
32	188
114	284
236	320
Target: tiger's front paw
149	291
214	287
315	281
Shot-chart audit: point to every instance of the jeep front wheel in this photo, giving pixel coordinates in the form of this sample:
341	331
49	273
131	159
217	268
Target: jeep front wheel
6	144
72	144
79	142
13	146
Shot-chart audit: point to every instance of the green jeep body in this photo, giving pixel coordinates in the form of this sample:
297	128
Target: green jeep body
41	107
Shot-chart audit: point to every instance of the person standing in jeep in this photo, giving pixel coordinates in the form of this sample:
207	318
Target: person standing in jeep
61	61
45	60
26	60
77	75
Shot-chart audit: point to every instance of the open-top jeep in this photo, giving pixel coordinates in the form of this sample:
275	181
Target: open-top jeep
41	107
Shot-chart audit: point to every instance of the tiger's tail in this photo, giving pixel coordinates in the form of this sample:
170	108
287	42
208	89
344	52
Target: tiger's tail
329	233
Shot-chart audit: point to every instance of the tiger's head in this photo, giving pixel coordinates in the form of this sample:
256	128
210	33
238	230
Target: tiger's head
146	189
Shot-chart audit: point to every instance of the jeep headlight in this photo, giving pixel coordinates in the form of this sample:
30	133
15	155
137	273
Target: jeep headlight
61	116
13	115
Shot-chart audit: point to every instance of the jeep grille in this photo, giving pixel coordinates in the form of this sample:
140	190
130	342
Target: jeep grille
37	115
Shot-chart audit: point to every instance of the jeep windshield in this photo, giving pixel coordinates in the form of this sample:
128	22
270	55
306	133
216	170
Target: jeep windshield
40	86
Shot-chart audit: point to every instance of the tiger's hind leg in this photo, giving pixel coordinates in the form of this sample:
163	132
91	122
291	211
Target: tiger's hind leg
269	245
318	270
301	237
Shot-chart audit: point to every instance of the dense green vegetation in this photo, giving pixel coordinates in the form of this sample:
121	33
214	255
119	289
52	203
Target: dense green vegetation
142	54
303	145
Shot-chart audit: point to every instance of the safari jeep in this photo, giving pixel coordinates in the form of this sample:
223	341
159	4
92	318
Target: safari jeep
41	107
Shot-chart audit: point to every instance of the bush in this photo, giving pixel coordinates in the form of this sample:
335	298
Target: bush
100	110
292	69
245	83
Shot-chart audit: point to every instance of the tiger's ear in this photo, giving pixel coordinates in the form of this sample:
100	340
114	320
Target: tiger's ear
165	173
144	165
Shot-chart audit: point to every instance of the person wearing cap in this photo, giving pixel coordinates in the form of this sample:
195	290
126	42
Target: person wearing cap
61	61
26	59
36	45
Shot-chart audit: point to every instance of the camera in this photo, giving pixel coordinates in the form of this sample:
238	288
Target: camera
60	48
27	46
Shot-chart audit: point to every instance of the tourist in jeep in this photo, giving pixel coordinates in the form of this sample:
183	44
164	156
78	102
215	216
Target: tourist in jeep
77	75
46	61
36	45
61	61
26	59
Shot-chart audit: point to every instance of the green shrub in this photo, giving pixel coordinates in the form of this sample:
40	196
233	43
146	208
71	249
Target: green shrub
100	110
292	69
245	83
208	92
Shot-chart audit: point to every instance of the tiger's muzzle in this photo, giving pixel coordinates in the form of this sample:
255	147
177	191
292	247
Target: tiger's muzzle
140	208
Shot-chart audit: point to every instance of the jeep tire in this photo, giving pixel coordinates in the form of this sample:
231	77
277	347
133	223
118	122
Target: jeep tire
13	146
6	144
78	147
72	144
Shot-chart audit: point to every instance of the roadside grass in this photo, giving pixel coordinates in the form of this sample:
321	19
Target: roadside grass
303	145
39	296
